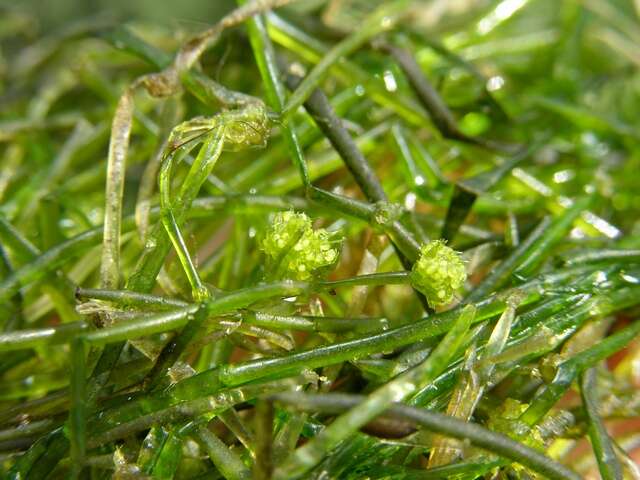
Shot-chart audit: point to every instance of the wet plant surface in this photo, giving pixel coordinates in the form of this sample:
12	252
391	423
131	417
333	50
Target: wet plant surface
282	247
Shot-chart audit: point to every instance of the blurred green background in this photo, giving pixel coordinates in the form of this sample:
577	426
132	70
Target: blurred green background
53	13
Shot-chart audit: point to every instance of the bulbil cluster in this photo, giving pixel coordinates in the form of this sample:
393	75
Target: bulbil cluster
438	273
295	250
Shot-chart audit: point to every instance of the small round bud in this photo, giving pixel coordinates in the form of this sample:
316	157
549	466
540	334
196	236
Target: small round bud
386	213
438	273
296	250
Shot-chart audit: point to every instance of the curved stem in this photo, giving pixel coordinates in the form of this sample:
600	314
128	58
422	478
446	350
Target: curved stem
443	424
397	390
610	468
116	165
202	166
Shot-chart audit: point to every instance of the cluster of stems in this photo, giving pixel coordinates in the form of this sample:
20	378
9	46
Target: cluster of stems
228	353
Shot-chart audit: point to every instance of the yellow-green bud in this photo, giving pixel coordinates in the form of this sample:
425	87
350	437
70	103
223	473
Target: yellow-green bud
298	250
438	273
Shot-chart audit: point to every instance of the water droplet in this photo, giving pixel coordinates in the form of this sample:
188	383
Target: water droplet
410	201
600	279
150	243
298	69
360	91
630	278
390	81
484	26
67	223
495	83
577	233
563	176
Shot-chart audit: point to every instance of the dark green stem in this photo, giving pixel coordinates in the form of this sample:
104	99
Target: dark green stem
610	468
443	424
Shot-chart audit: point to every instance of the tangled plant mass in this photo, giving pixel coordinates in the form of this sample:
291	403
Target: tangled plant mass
324	240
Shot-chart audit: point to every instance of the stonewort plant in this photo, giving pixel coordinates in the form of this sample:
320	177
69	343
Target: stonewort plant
336	239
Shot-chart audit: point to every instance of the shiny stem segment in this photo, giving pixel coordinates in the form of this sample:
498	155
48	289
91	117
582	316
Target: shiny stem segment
439	423
265	56
608	463
225	460
397	390
567	372
78	411
263	466
116	166
204	163
471	386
